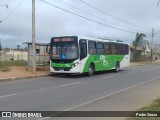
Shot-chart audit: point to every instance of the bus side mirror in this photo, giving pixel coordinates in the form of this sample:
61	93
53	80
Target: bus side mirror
48	48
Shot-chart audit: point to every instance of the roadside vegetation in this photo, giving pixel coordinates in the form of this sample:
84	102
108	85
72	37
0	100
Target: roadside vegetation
12	63
155	106
4	65
139	42
4	69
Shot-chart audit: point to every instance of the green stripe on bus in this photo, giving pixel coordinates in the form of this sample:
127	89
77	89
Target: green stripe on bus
62	65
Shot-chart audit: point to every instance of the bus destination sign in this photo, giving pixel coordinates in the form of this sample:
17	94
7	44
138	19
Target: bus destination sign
63	39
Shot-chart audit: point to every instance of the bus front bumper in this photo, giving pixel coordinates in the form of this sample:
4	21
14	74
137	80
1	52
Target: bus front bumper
60	70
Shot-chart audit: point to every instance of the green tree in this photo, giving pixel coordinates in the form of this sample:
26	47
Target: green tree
138	42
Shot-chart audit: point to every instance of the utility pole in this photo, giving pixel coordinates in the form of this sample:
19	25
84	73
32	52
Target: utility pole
0	52
0	46
33	38
152	45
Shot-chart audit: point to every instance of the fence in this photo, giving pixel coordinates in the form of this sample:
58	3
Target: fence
138	57
13	55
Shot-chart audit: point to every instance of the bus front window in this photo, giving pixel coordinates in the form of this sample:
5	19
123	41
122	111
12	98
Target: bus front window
68	50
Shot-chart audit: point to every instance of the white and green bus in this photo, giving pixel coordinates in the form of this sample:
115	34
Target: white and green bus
76	54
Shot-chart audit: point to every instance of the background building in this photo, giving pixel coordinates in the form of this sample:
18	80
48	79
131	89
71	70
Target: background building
42	57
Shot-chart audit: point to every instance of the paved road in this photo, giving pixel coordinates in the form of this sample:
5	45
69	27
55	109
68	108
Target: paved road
58	92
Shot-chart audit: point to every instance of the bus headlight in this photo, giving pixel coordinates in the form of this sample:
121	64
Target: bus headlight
74	65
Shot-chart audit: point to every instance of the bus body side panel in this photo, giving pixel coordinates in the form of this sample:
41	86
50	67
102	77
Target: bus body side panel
103	62
117	58
125	61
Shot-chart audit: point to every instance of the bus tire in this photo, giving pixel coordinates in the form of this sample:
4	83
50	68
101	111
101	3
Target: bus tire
91	70
117	67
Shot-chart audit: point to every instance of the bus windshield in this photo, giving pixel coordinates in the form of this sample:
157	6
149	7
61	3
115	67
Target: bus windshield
65	50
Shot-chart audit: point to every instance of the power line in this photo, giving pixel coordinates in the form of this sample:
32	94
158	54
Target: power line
85	12
87	18
111	15
4	5
12	11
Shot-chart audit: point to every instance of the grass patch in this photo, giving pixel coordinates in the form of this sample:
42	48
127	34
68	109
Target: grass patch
12	63
4	69
155	106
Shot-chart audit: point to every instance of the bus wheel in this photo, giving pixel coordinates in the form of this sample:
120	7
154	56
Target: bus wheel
117	67
91	70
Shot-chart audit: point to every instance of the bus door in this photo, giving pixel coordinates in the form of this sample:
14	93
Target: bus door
83	53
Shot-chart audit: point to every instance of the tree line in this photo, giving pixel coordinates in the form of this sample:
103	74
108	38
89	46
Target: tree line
139	42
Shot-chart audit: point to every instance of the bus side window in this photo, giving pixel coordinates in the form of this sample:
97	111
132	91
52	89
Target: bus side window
92	47
123	50
127	49
116	49
100	48
107	48
119	49
83	49
113	49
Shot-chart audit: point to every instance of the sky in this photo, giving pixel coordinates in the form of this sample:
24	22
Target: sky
111	19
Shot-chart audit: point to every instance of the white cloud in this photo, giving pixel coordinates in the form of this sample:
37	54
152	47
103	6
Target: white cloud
51	21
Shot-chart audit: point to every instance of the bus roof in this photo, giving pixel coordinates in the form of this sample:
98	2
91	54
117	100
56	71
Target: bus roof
95	39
